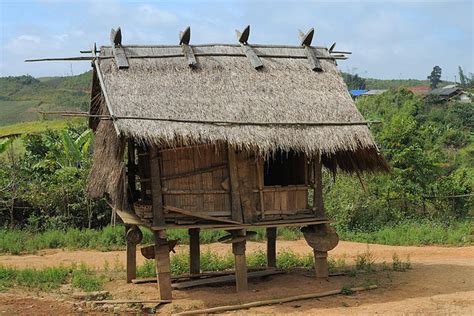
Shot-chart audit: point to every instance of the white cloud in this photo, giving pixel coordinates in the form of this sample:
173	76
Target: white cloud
23	42
61	37
149	15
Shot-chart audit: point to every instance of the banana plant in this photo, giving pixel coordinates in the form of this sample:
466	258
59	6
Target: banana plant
67	152
4	144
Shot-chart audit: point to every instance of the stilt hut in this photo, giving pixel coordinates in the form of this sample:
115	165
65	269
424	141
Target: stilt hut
222	136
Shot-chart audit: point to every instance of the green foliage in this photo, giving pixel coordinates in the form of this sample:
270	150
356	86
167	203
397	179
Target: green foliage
429	147
465	81
435	77
287	259
354	82
414	233
85	279
346	290
4	143
50	181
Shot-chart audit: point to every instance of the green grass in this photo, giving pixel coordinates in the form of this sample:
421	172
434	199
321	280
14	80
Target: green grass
14	111
210	261
86	279
51	278
41	279
415	234
110	238
35	127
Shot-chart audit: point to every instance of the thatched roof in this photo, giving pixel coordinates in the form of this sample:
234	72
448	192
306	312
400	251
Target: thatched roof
225	87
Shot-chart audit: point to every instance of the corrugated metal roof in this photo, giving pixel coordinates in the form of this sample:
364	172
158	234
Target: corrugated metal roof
356	93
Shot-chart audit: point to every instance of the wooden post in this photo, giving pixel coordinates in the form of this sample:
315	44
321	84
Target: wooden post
131	171
238	250
320	257
194	251
260	179
162	255
162	259
271	247
156	192
321	264
234	183
131	259
318	205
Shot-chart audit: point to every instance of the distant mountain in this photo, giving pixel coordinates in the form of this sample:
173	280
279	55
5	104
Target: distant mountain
372	83
21	97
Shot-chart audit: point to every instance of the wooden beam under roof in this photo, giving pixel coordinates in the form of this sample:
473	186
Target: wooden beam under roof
119	52
306	40
248	50
184	39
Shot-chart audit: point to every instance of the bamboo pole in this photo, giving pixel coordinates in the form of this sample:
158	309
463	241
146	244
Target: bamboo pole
104	92
221	309
86	58
131	301
218	122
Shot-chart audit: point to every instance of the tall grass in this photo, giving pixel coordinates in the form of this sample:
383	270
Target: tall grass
416	233
211	261
109	238
51	278
113	238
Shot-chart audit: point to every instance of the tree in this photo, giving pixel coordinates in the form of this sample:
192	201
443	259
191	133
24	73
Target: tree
354	82
435	77
462	77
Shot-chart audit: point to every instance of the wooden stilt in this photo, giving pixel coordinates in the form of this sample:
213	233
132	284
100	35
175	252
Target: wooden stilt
162	250
131	259
238	249
162	260
271	247
321	264
194	251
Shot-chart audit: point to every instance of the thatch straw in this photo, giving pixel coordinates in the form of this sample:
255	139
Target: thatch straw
107	173
228	88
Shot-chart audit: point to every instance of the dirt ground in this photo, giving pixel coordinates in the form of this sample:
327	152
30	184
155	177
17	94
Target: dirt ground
440	282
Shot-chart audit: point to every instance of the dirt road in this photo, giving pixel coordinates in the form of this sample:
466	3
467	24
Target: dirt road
441	282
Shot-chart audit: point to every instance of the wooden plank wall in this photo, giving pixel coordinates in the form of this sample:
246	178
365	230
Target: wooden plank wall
285	200
188	160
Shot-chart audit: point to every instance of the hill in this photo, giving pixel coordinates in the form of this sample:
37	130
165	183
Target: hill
21	97
372	83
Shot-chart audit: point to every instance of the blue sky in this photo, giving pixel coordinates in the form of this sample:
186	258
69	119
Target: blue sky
389	39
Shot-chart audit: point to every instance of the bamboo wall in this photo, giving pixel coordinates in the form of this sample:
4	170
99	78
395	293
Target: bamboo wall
196	179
